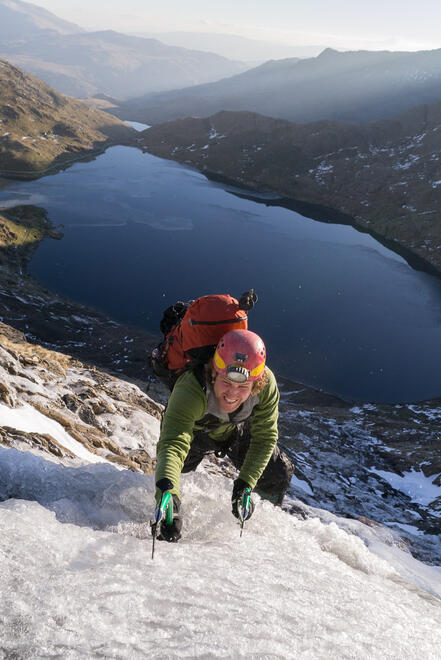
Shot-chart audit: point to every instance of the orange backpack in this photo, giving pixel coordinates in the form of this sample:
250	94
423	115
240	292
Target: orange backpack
192	331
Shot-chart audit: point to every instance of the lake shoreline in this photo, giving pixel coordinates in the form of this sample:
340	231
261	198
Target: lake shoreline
326	332
325	214
314	211
280	157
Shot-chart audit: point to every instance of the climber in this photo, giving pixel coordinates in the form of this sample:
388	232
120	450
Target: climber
228	407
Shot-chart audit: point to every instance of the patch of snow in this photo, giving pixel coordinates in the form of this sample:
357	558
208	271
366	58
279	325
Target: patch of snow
430	413
419	138
214	134
28	419
133	431
300	483
416	485
82	319
411	159
323	167
23	300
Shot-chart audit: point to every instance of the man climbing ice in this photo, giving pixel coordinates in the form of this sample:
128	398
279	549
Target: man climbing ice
228	407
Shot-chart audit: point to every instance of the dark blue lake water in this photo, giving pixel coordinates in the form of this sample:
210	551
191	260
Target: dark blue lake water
337	309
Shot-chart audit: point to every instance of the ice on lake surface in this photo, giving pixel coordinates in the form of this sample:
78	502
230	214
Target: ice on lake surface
77	578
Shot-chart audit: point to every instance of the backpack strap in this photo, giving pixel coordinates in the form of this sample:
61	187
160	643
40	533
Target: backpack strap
199	373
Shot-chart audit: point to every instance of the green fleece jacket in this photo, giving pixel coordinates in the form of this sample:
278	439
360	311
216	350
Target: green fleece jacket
187	406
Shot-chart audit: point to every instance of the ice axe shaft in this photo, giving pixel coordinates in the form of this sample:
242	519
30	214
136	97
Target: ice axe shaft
165	508
244	508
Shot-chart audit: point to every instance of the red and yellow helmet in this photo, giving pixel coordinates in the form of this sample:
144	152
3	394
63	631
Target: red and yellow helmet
240	356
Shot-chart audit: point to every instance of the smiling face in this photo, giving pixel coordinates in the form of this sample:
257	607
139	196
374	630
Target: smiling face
229	395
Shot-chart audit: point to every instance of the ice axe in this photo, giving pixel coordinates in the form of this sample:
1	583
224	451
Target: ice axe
244	508
164	508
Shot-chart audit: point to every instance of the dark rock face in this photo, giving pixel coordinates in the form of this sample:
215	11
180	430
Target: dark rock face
386	175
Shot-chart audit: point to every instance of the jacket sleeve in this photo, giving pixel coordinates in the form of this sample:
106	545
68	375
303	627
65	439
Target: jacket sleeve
264	433
187	403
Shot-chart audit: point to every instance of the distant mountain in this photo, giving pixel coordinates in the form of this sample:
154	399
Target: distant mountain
357	86
23	20
83	64
385	175
41	130
233	46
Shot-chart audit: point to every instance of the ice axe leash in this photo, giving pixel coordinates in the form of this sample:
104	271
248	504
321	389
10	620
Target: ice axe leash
165	508
244	508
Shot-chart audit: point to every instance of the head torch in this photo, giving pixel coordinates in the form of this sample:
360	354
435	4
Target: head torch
237	374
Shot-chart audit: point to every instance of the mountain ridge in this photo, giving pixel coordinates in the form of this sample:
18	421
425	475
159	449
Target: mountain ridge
351	86
19	19
82	64
233	46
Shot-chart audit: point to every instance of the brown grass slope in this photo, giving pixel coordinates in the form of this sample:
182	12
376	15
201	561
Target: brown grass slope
41	130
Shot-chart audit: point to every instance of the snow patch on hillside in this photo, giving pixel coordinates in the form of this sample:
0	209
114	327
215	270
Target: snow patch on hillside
26	418
414	484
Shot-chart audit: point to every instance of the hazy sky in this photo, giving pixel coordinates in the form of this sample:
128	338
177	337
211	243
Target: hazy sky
388	24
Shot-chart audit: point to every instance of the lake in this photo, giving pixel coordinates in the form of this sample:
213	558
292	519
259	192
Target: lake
337	310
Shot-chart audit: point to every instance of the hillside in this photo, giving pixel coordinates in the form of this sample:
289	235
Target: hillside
359	86
84	64
22	20
115	64
386	175
41	130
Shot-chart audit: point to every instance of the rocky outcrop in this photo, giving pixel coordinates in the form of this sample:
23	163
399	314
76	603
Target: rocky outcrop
110	418
21	230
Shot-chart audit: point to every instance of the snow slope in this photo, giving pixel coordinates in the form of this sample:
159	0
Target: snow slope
77	578
76	575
